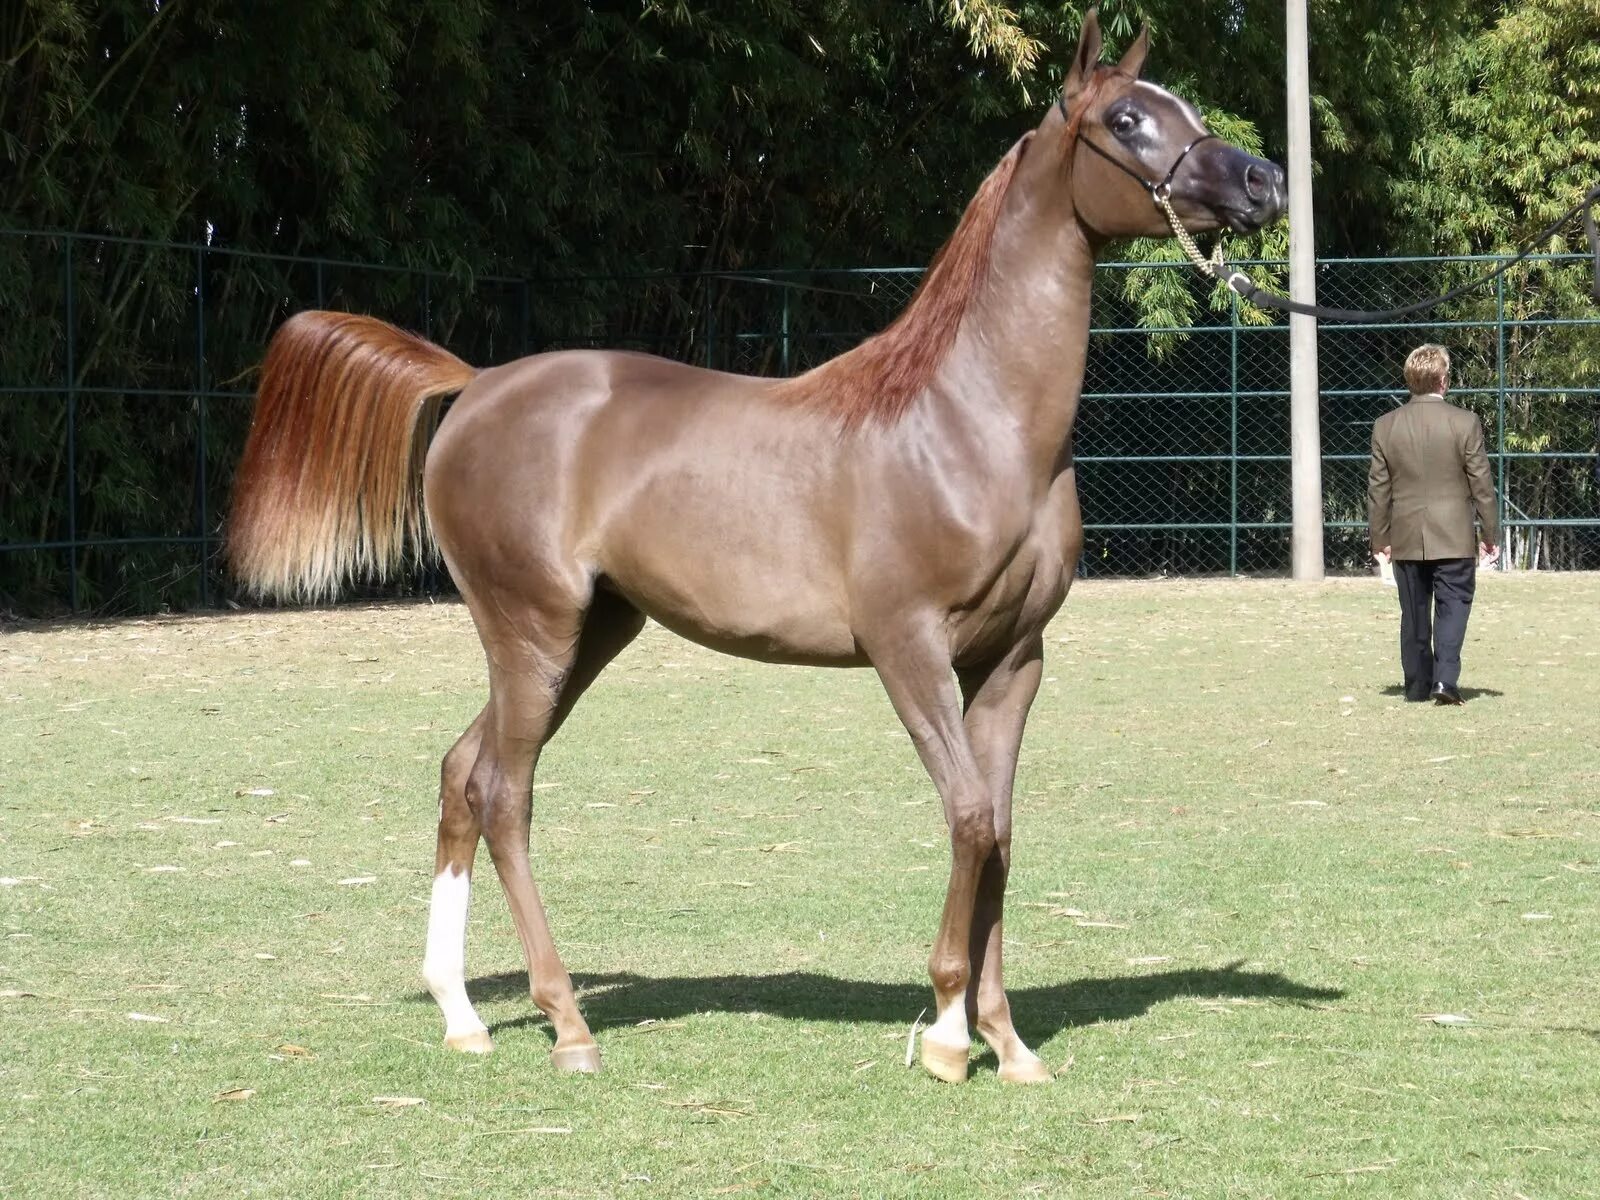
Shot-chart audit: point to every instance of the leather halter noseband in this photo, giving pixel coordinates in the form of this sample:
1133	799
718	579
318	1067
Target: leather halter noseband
1158	191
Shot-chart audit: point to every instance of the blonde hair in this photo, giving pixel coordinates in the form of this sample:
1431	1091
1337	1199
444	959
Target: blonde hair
1428	370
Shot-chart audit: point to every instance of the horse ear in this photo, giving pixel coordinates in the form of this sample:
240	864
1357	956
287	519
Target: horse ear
1088	56
1132	64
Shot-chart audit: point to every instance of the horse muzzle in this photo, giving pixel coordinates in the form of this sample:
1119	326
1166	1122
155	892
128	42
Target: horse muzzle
1257	192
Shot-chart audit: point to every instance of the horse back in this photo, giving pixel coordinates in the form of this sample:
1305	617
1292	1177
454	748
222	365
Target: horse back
710	507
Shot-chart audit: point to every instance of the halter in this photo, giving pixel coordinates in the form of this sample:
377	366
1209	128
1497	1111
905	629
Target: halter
1159	192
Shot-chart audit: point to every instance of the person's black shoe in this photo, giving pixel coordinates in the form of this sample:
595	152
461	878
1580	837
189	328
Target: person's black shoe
1415	694
1445	693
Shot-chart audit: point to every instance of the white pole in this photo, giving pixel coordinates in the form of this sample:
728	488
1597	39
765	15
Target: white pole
1305	432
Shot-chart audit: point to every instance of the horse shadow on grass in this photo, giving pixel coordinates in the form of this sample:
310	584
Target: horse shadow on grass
612	999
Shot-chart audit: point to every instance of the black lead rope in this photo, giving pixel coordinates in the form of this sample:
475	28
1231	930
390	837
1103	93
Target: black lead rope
1241	284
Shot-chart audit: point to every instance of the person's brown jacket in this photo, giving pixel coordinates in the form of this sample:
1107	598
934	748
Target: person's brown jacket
1429	470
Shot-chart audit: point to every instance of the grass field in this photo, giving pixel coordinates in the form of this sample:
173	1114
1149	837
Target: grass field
1247	874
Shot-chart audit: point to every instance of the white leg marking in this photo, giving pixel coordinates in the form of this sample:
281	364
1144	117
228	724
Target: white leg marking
950	1027
444	964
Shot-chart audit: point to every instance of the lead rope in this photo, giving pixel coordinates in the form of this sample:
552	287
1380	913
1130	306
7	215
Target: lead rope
1242	285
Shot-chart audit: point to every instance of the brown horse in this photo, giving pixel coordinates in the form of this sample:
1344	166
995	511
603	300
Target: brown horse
910	505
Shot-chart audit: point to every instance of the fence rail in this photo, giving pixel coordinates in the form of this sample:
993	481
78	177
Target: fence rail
125	372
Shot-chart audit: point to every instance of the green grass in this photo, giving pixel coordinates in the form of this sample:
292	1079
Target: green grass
1283	868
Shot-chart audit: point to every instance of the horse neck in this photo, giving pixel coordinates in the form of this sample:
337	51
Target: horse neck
1028	329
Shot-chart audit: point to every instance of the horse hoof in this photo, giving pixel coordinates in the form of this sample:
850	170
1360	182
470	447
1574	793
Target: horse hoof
577	1060
948	1063
476	1042
1024	1070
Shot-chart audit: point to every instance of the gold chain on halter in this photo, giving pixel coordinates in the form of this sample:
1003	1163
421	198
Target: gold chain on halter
1211	268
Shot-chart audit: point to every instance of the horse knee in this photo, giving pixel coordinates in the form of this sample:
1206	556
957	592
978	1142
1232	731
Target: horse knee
972	830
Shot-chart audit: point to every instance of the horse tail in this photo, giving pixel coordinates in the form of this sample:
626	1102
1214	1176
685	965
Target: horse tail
330	485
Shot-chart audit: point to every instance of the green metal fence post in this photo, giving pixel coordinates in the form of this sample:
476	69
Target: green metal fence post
72	428
1500	417
204	530
1233	457
786	331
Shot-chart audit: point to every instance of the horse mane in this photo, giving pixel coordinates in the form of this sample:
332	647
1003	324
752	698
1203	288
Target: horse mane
877	380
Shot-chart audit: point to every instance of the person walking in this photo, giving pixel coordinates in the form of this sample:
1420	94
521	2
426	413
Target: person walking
1429	472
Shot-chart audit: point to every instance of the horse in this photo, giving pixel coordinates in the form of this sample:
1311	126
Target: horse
910	505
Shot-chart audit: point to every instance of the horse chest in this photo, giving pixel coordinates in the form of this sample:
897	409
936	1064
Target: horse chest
1025	588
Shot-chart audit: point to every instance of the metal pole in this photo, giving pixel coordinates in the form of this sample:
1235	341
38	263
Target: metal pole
72	431
1500	412
200	442
1305	433
1233	457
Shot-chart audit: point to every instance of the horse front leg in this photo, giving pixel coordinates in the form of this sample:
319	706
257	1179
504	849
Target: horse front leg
916	672
998	697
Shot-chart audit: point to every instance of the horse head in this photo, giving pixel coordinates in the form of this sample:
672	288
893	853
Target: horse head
1127	144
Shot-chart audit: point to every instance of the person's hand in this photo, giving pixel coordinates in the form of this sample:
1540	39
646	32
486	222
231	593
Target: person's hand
1488	554
1381	554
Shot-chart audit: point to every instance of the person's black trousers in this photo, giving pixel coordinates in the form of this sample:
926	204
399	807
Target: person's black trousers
1435	600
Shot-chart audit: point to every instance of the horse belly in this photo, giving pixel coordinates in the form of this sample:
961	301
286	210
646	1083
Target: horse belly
714	571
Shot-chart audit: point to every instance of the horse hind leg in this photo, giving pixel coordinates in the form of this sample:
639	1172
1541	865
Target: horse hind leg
533	686
444	961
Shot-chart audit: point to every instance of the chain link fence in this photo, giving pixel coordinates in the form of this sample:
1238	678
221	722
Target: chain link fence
1182	441
126	369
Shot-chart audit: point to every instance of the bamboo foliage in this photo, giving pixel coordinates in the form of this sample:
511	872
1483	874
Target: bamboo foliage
595	140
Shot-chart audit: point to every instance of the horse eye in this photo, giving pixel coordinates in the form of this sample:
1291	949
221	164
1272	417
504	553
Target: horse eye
1124	123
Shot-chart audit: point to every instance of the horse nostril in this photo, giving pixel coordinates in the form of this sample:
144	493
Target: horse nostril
1257	183
1265	184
